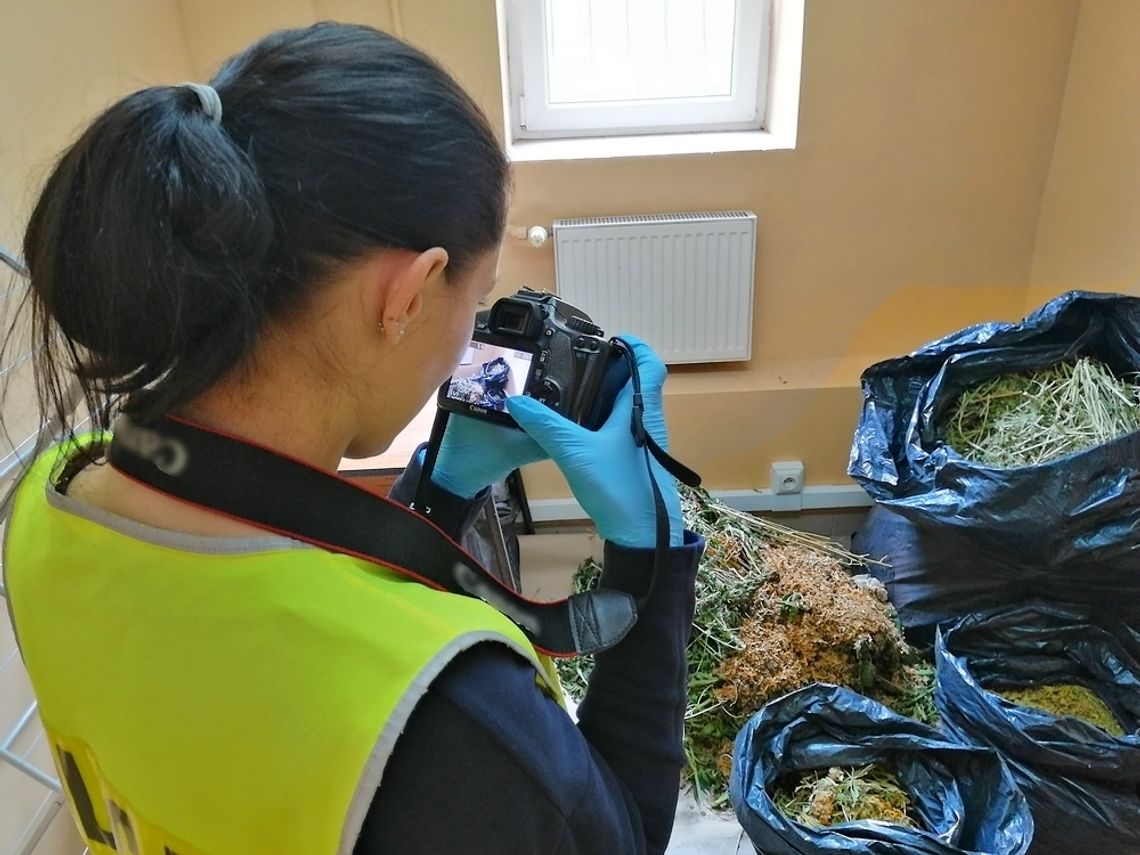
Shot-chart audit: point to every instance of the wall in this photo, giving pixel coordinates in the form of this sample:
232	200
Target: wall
908	209
60	62
217	29
1089	233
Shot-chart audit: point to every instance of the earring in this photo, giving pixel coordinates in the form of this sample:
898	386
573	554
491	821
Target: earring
381	326
400	332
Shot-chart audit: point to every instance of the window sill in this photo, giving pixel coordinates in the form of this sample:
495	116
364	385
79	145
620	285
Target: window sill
648	145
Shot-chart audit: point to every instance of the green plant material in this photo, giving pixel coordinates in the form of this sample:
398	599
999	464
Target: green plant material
825	797
1027	419
910	692
743	551
1066	699
792	606
737	539
721	606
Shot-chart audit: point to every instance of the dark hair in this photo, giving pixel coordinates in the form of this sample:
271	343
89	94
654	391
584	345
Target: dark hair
162	242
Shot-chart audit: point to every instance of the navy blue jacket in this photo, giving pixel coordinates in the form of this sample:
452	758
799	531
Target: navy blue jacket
488	763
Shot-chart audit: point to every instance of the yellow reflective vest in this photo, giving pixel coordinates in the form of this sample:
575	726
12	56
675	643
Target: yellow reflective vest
221	696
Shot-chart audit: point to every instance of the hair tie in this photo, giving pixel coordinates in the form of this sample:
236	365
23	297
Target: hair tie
209	98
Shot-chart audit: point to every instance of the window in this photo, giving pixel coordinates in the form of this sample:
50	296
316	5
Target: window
621	67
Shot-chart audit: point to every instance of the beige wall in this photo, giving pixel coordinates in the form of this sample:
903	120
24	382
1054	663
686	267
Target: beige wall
1089	235
60	62
216	29
908	209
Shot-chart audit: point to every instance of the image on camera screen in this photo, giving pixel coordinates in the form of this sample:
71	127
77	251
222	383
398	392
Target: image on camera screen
489	374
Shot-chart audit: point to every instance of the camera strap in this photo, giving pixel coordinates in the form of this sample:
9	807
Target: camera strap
250	483
653	451
253	484
642	438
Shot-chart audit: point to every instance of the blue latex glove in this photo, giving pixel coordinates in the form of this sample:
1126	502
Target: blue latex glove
475	453
605	468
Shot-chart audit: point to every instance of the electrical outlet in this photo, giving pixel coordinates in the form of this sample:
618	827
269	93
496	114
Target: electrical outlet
787	477
787	485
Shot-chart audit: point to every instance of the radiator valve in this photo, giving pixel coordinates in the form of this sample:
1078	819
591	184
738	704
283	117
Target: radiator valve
537	236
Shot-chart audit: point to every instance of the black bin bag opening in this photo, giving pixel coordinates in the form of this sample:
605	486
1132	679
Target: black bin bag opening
963	796
963	537
1082	783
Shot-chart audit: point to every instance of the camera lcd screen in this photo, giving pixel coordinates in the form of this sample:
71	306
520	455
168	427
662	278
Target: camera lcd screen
488	374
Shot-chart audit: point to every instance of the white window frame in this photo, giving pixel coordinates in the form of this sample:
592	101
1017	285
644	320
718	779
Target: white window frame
534	117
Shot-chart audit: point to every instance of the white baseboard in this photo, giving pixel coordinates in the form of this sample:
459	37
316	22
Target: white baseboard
825	497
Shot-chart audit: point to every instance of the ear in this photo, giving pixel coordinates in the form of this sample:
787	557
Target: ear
403	298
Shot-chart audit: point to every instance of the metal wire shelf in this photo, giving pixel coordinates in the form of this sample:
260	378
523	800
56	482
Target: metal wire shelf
43	816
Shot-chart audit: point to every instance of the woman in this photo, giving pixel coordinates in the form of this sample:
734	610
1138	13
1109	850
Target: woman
293	256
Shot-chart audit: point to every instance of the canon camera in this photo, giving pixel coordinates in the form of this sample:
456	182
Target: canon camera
533	343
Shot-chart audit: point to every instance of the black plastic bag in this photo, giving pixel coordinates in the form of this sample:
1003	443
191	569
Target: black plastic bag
493	376
964	796
487	387
1082	784
962	537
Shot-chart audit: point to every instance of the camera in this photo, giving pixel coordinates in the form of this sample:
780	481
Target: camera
532	343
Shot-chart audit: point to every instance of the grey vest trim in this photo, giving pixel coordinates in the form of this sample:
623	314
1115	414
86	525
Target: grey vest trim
373	772
200	543
370	777
197	543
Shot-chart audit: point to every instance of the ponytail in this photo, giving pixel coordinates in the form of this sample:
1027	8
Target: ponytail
169	232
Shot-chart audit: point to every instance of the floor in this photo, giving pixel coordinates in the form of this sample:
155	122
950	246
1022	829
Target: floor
549	561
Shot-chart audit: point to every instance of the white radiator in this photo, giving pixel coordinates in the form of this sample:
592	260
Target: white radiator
682	282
